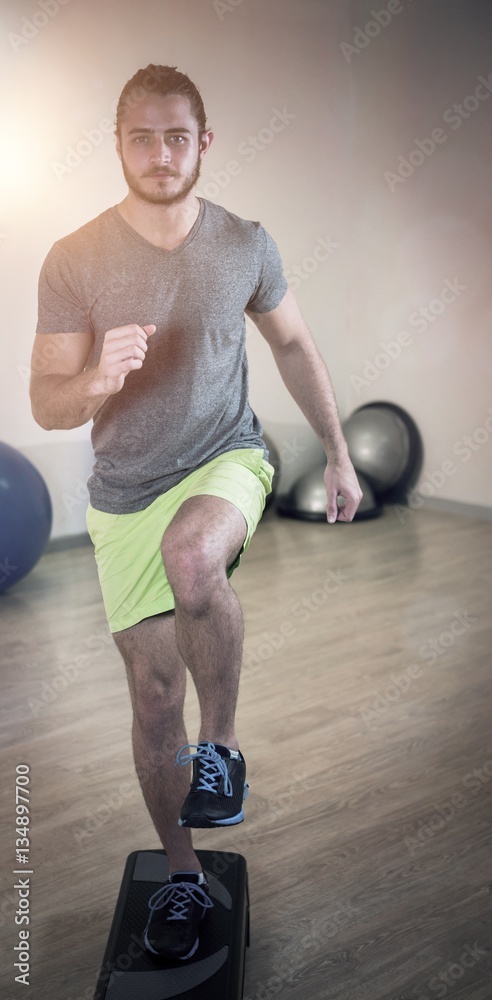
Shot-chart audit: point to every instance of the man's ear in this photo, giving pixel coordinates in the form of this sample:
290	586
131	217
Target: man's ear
118	145
206	141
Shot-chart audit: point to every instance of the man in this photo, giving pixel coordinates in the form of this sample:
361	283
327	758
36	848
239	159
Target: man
141	327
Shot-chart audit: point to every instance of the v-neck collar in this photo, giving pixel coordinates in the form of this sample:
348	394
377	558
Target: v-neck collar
122	223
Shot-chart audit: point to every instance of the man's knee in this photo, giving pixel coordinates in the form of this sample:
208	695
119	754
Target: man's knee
157	686
192	568
156	701
156	714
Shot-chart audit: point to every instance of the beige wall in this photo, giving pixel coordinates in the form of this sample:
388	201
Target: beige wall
421	257
361	257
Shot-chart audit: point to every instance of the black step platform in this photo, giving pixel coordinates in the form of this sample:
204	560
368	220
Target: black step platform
215	971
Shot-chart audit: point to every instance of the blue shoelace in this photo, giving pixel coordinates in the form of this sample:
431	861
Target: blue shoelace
179	895
212	767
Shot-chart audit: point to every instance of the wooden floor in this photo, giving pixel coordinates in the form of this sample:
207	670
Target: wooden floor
365	717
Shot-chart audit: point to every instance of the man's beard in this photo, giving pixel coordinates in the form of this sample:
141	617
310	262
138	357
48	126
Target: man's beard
157	197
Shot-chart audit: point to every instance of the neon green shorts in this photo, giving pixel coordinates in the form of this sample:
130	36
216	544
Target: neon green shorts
128	546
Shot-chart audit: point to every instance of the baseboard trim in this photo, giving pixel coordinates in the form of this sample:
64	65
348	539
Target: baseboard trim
440	506
67	542
443	506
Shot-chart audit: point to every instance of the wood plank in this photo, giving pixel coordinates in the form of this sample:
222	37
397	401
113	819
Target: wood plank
364	716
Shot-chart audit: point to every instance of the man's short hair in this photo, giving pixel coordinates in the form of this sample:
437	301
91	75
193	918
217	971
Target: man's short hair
160	80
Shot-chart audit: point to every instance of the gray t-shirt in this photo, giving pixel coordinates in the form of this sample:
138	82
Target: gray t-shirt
189	401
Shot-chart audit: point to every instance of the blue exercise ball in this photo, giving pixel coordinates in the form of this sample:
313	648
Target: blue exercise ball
26	516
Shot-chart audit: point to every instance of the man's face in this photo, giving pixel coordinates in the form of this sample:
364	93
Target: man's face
159	149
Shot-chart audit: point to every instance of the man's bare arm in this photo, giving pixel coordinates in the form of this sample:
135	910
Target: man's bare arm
307	378
65	395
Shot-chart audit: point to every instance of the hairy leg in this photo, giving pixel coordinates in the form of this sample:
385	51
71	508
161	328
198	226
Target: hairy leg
157	682
203	539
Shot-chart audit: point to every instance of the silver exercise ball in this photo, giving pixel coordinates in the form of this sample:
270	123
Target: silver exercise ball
274	459
379	445
306	499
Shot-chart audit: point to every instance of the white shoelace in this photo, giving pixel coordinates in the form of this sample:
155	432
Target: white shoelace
212	767
179	895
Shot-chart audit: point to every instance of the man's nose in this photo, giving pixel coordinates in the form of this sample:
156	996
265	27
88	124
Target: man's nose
161	152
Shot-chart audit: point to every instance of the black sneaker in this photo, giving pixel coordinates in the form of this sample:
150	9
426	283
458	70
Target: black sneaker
176	910
218	786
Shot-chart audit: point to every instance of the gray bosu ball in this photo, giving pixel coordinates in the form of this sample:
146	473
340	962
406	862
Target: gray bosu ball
385	446
379	446
274	459
306	499
386	450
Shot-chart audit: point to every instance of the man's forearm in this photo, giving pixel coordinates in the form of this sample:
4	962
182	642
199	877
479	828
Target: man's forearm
61	402
307	378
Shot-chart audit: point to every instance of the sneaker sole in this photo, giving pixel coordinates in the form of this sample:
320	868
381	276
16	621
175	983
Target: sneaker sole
171	957
192	952
209	823
149	946
230	822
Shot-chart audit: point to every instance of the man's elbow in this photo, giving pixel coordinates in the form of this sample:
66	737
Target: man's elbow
39	411
41	418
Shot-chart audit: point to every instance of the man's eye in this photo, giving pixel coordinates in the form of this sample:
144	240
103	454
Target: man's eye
177	139
141	138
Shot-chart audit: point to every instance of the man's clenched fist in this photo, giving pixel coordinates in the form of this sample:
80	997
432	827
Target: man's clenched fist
124	349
